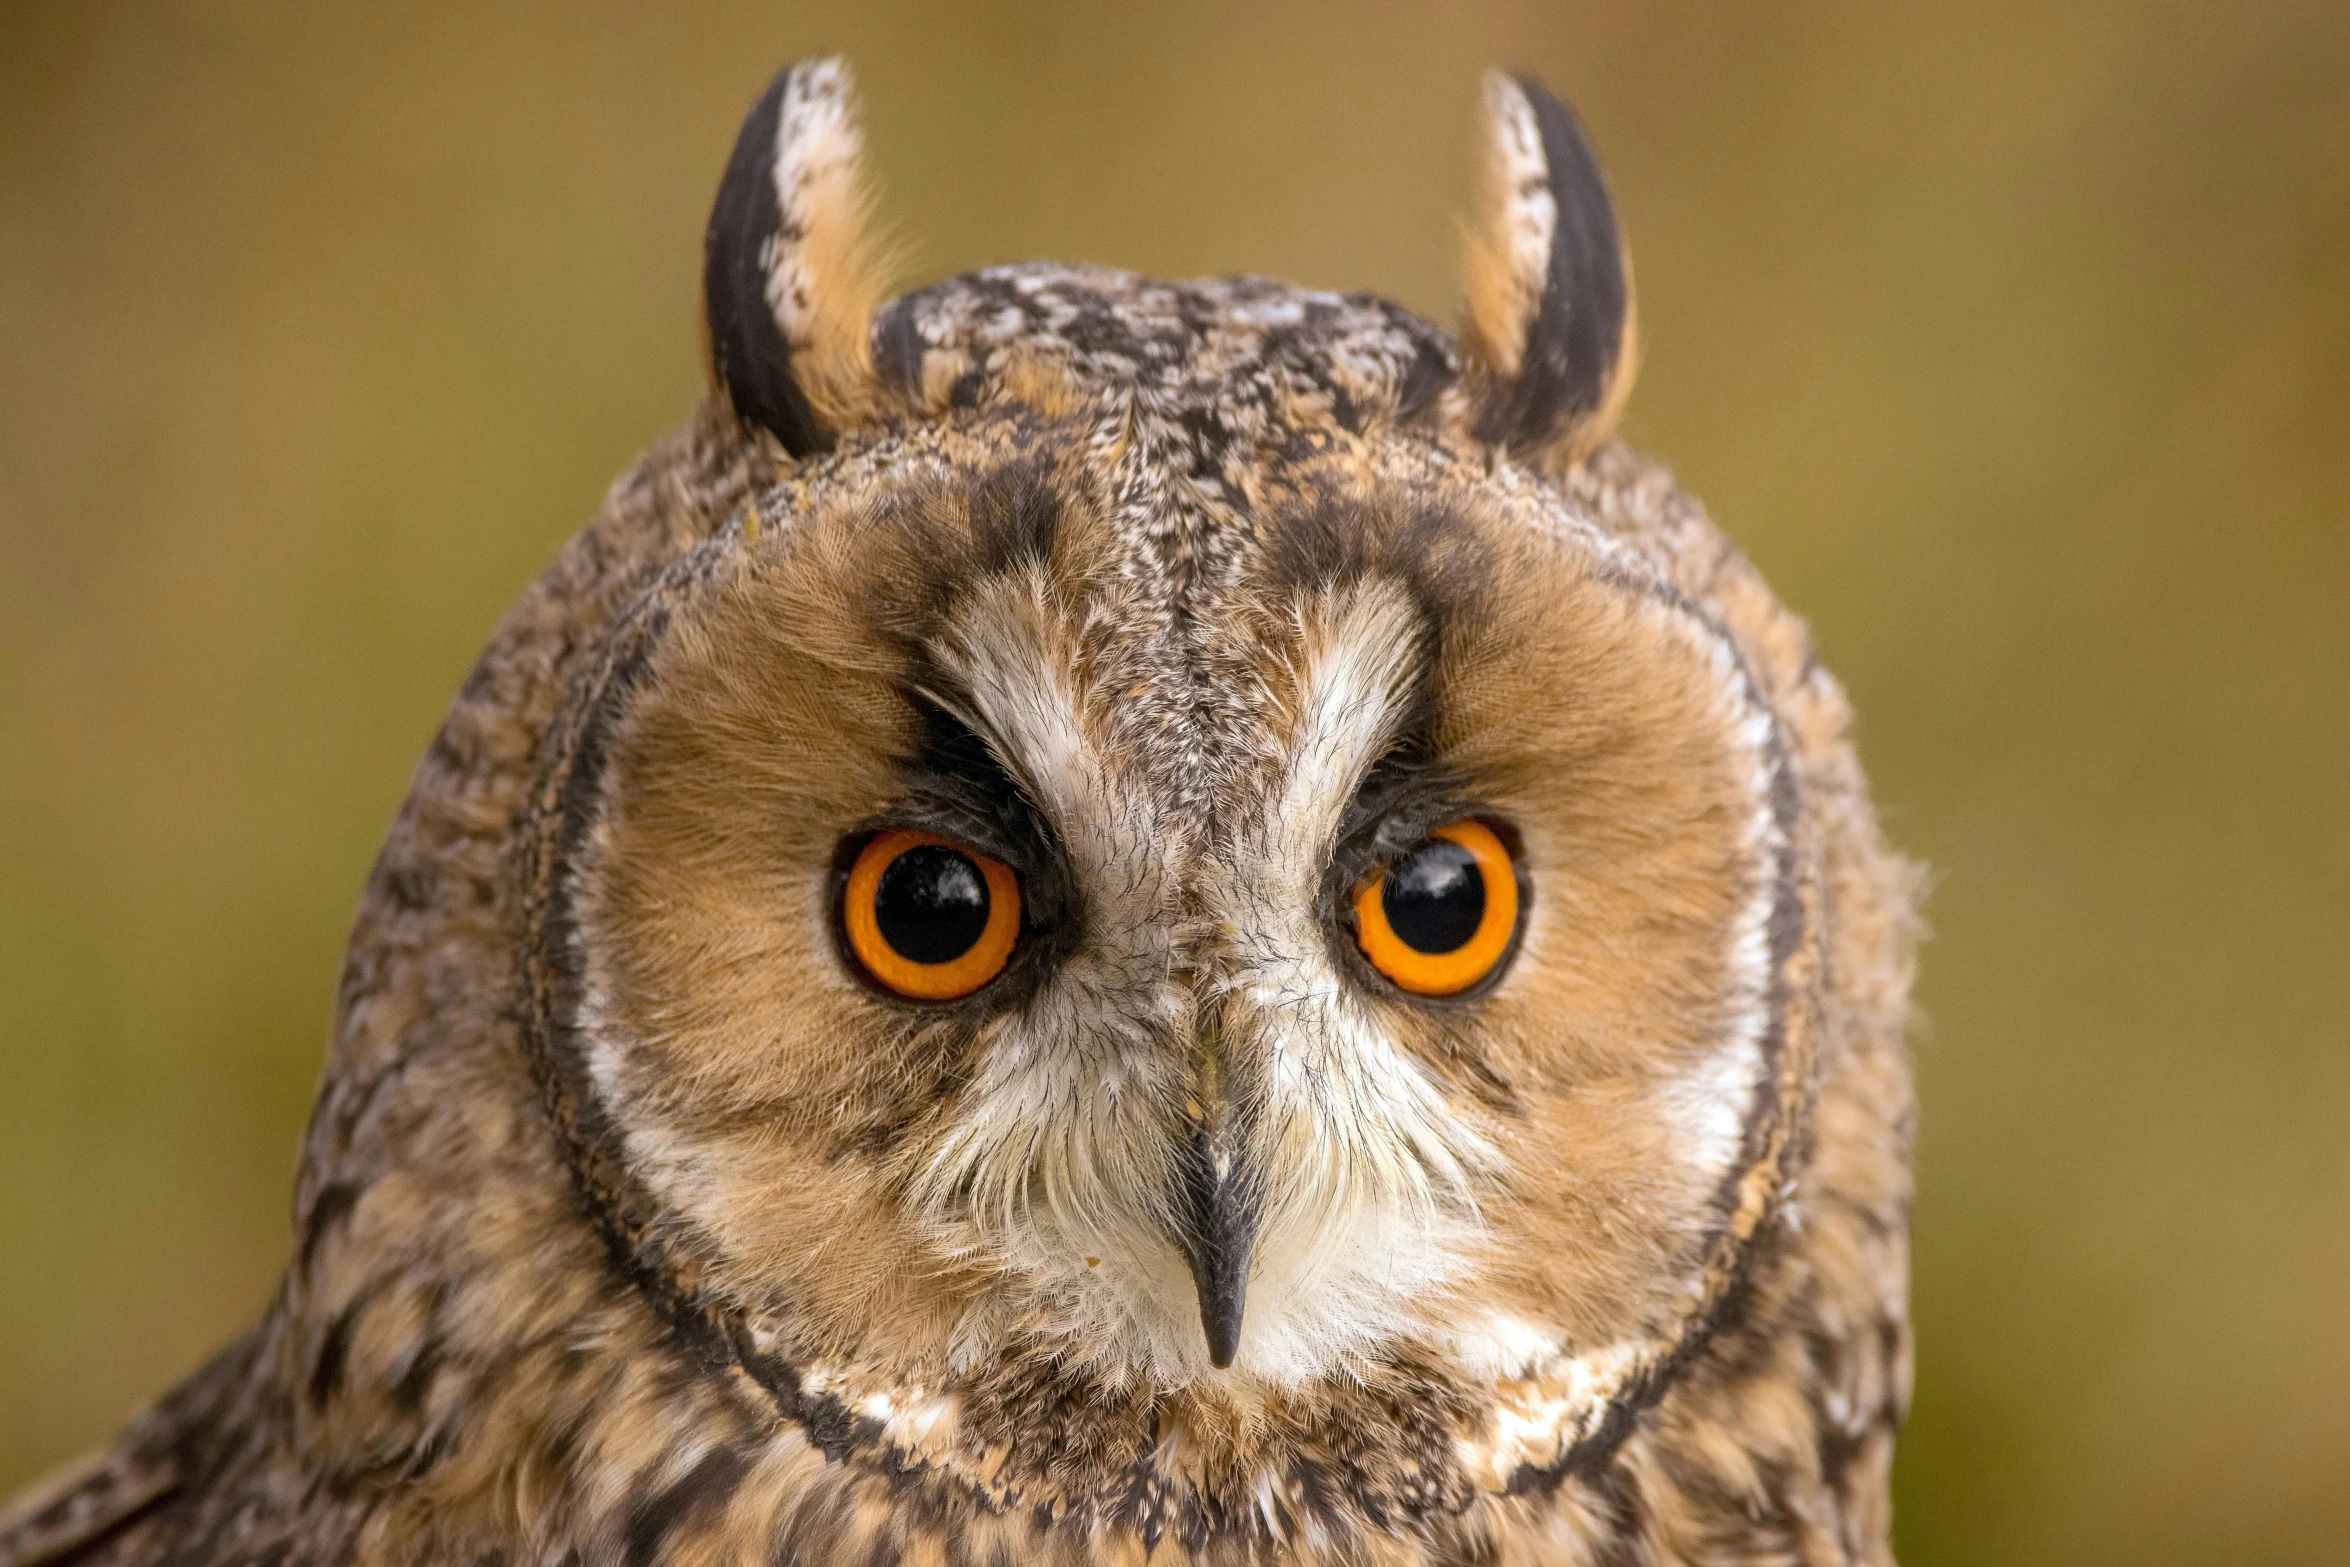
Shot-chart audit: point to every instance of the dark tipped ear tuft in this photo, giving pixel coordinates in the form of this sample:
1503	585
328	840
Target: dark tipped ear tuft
1550	337
788	283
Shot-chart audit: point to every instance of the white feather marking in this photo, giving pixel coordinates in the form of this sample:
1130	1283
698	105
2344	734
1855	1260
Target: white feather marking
1368	1216
1710	1104
817	147
1524	221
1062	1143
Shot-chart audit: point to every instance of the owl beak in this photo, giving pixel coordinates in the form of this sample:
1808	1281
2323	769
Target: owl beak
1220	1234
1219	1197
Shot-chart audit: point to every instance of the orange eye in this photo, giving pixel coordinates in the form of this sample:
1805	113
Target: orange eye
930	920
1439	919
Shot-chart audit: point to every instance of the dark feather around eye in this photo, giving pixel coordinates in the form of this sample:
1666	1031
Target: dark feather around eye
1406	793
955	787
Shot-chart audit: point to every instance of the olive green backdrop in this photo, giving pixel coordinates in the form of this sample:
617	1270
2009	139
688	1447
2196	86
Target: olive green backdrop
2012	341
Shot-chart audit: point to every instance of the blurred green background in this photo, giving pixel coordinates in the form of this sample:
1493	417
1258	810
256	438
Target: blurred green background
2013	341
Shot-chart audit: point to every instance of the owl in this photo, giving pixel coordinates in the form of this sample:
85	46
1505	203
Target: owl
1100	921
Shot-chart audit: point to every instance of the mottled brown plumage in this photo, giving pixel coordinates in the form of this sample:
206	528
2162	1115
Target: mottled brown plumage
634	1225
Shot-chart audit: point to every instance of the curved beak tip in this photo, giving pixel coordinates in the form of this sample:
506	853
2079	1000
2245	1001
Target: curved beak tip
1219	1271
1223	1330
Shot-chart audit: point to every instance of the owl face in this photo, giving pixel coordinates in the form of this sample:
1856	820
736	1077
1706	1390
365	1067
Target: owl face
1362	950
1151	867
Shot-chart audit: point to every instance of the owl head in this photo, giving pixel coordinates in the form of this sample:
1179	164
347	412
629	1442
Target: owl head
1160	910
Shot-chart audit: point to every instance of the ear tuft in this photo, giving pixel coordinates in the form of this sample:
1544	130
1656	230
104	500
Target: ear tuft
1549	338
789	281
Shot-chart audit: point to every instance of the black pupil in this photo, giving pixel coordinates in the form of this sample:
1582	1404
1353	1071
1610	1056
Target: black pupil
931	905
1434	897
